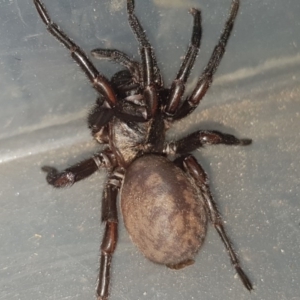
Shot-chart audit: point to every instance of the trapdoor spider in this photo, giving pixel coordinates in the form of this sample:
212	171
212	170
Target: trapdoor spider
165	203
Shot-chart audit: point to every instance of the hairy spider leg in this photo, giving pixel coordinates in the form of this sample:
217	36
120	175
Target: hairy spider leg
109	216
178	85
206	77
150	74
192	167
149	62
126	110
81	170
200	138
120	57
99	82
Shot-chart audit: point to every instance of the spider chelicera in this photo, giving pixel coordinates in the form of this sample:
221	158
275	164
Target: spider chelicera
164	192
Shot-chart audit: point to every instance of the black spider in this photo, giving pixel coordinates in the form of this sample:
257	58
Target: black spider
165	203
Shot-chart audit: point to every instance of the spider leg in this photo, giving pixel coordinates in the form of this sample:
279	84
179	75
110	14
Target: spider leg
110	238
178	85
120	57
80	170
99	82
192	167
200	138
151	77
149	63
206	77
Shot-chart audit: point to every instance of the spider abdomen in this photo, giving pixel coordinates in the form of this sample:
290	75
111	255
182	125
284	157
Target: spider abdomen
162	210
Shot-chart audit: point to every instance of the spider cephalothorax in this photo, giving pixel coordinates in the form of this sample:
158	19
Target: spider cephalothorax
165	197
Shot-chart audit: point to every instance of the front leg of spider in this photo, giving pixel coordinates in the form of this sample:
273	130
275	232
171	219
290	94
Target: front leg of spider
99	82
206	78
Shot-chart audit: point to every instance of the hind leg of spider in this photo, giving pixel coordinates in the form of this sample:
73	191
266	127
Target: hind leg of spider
206	77
110	218
193	168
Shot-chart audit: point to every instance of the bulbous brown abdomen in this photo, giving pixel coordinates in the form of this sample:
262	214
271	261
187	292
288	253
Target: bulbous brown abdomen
162	210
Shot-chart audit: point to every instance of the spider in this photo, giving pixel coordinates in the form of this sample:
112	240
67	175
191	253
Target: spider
165	198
